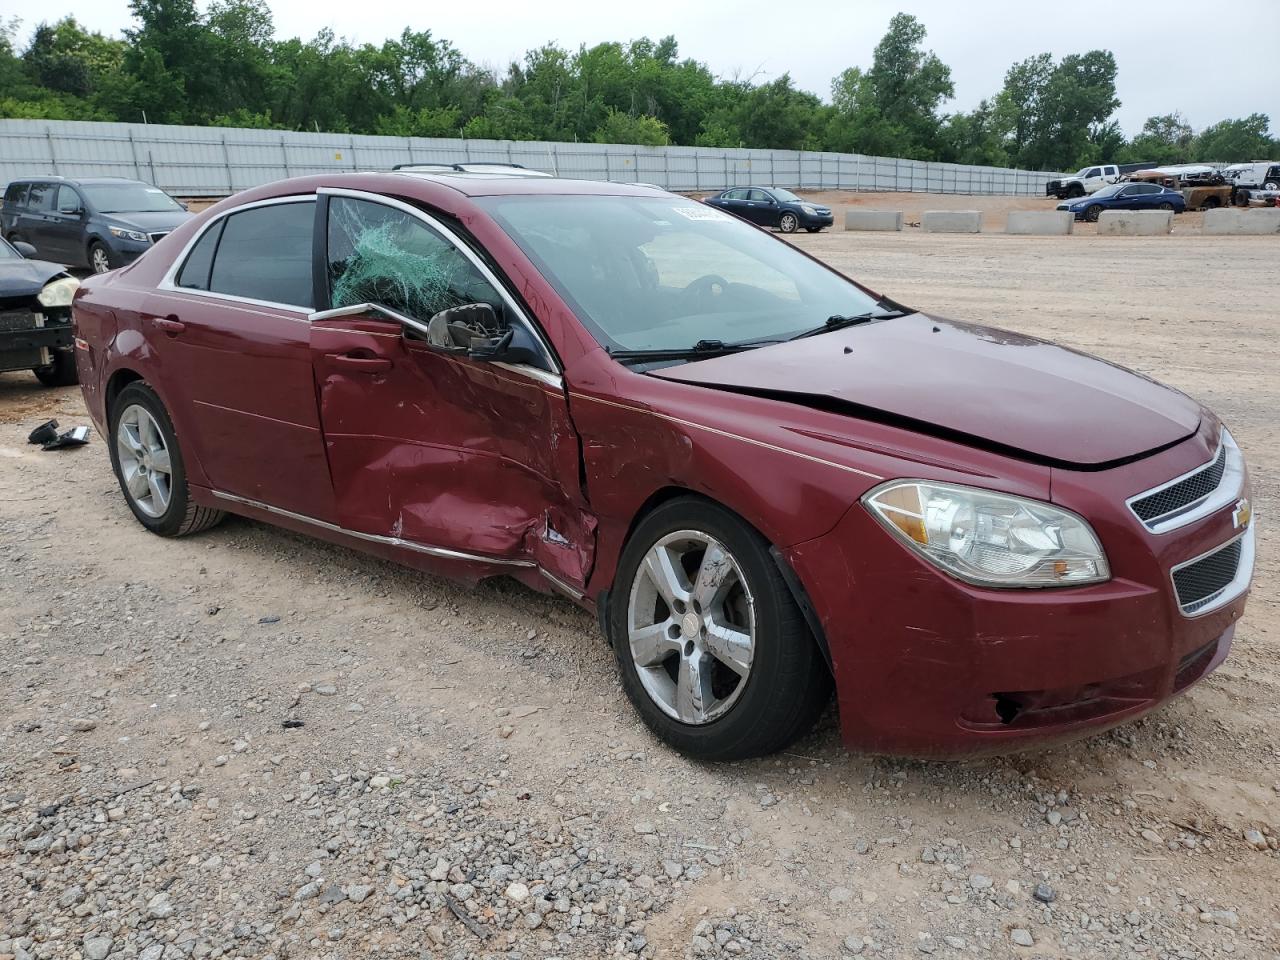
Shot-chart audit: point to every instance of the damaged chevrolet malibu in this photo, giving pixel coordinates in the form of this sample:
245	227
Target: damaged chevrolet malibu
767	481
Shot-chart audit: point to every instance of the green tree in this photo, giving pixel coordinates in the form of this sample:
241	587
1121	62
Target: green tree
647	131
892	108
1057	115
1235	141
1164	139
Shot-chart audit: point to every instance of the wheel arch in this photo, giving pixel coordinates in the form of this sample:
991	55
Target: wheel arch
671	492
115	383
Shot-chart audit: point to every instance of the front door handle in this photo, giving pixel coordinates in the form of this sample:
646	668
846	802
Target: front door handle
170	324
345	361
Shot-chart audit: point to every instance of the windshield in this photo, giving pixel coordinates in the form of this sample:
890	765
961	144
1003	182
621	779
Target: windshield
1110	191
128	198
785	195
665	273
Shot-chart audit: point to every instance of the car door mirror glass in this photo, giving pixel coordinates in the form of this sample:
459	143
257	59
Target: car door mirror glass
24	248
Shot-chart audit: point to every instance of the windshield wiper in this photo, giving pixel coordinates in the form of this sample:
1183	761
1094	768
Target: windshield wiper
699	351
838	321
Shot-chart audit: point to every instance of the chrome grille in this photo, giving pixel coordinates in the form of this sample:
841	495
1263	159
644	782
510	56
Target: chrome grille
1202	581
1183	493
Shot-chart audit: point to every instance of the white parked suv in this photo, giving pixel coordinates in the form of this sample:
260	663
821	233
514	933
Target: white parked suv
1259	175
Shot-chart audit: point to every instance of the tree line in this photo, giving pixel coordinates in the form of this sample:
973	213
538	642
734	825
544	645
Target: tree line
225	66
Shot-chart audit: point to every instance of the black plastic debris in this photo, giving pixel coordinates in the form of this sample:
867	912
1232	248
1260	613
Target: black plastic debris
46	432
291	724
75	437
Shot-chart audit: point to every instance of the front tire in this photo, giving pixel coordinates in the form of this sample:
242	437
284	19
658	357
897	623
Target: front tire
1166	206
147	460
1092	213
100	257
788	223
61	372
713	651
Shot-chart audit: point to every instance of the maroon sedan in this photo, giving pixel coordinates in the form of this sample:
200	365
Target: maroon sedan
763	477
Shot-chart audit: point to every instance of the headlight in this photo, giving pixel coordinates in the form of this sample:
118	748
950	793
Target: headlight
129	234
808	209
990	539
58	293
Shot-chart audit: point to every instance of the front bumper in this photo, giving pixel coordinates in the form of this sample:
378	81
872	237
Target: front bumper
816	220
26	336
926	665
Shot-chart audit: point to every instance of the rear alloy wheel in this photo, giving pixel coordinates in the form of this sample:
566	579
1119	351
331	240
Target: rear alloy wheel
148	463
99	257
1092	213
713	651
788	223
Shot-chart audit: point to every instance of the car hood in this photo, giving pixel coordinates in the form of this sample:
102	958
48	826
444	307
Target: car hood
975	384
148	222
25	278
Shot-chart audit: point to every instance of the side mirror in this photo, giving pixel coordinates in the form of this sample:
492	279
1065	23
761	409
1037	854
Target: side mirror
475	330
71	211
25	249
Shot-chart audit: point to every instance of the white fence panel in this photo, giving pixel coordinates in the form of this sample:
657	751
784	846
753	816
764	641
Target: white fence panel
216	161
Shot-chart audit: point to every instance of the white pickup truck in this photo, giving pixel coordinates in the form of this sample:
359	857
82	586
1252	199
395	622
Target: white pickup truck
1088	180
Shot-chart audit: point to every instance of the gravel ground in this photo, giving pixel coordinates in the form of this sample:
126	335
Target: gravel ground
251	744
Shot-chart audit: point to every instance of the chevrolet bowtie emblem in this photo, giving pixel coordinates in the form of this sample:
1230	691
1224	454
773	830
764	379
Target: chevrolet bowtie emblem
1243	514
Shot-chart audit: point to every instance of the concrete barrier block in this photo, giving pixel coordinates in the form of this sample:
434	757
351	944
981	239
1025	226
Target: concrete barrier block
1250	222
1134	223
952	221
873	220
1054	223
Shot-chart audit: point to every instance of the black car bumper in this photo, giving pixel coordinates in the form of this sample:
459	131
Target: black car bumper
815	221
24	338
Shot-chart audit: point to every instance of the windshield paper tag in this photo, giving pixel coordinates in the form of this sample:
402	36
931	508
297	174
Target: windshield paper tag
701	213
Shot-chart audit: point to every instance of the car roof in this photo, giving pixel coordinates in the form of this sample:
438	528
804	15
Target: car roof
475	184
55	178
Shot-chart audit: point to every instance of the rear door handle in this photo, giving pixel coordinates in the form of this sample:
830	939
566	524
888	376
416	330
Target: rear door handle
344	361
170	324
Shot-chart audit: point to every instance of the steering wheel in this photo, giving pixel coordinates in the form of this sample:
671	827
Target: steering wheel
703	292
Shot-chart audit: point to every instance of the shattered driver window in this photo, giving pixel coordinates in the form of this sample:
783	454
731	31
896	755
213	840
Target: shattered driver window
378	254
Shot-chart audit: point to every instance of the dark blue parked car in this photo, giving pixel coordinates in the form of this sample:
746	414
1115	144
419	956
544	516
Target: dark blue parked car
1125	196
100	223
773	207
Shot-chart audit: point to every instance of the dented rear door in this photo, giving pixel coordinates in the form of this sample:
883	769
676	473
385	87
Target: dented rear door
432	448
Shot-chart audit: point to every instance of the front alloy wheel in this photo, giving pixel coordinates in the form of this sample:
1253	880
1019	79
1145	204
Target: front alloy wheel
788	223
691	627
1092	213
712	648
99	259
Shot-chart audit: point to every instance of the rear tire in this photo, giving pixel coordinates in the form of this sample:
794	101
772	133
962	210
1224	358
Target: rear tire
147	460
60	373
773	684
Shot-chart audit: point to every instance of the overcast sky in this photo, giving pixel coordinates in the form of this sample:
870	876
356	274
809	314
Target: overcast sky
1182	59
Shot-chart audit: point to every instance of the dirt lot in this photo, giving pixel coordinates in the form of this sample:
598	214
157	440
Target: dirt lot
250	744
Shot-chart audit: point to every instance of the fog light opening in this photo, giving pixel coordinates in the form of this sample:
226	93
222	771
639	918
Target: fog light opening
1007	709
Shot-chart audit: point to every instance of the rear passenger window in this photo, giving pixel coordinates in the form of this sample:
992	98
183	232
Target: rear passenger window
41	196
265	254
194	274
